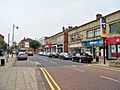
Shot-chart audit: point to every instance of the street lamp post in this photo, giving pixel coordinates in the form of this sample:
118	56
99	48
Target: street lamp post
104	49
13	37
8	44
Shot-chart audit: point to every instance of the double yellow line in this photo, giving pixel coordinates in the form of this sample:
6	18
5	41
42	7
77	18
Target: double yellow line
49	78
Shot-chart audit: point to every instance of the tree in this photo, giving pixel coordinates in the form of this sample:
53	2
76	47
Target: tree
3	45
118	28
34	44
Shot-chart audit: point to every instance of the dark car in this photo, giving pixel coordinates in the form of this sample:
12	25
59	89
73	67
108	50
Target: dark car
76	57
65	56
86	57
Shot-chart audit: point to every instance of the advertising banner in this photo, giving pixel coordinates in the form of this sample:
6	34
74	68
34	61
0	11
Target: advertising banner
103	26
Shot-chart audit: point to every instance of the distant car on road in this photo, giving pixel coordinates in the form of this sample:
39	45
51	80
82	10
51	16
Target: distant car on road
40	53
55	55
30	53
65	56
21	55
49	54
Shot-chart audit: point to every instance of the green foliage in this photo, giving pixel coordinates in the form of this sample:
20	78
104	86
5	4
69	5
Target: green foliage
3	45
34	44
118	27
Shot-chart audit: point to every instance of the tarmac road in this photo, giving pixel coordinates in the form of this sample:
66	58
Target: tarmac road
67	75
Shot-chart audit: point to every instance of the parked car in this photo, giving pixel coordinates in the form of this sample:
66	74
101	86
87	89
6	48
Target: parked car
55	55
86	57
49	54
76	57
65	56
22	55
41	53
30	53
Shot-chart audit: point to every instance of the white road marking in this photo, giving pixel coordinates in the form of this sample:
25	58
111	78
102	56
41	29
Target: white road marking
78	69
66	66
73	65
110	78
45	60
53	62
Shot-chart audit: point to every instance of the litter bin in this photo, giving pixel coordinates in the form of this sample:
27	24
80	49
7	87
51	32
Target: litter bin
97	58
2	62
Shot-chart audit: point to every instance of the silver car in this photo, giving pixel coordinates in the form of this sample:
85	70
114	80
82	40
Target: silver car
22	55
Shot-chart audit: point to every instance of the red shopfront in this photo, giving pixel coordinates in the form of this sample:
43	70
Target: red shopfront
47	47
113	47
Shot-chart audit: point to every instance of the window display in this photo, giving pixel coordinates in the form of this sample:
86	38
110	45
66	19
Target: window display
118	48
113	48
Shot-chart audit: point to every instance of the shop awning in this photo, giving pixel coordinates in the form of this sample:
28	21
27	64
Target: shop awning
112	40
48	46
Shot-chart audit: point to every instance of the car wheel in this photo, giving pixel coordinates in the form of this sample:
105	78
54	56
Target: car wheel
81	61
89	61
73	60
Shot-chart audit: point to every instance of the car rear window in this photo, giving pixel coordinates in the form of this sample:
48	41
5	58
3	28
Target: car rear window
21	53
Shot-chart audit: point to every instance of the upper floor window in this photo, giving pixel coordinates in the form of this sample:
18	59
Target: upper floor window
97	32
75	37
90	33
72	38
112	28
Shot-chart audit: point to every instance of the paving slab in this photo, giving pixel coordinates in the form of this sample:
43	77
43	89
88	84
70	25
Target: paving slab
18	75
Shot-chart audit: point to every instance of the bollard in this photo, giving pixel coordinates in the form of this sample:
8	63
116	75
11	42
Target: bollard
97	58
2	62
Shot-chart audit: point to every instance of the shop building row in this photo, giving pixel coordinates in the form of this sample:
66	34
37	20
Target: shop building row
88	38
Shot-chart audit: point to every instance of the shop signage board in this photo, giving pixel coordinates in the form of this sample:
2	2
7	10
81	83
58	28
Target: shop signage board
112	40
93	42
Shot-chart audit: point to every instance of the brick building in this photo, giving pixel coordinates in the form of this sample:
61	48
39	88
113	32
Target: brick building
24	44
87	37
57	42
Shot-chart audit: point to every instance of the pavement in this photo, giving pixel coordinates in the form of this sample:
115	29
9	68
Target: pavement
102	65
101	62
20	75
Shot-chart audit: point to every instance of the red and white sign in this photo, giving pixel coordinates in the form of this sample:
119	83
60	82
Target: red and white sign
48	46
112	40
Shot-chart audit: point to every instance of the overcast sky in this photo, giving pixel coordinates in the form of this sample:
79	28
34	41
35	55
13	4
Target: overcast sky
38	18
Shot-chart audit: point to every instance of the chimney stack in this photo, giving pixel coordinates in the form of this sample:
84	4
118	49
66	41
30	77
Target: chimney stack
98	16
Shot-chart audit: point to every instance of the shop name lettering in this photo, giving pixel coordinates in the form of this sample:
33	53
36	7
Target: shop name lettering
93	43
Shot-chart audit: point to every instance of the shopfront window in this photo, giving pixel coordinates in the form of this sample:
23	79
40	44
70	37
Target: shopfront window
113	50
119	48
